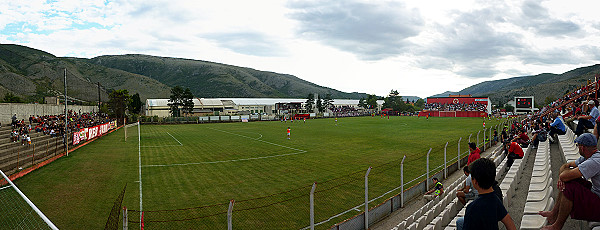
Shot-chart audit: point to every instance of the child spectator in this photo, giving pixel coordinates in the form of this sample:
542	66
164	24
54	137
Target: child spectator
438	189
467	192
485	211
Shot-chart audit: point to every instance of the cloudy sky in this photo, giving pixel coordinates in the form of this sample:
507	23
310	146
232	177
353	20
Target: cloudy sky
419	47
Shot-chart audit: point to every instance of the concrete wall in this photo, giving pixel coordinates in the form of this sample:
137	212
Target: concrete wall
23	111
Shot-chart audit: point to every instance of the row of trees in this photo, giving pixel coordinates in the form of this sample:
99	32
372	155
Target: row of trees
121	104
321	103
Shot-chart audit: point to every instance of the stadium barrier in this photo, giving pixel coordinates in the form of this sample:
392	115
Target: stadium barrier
317	204
20	160
436	113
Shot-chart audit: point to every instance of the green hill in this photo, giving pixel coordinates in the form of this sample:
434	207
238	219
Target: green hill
33	74
540	86
208	79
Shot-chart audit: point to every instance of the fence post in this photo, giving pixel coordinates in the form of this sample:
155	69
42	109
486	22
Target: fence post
470	137
484	142
402	182
47	143
33	155
477	144
312	206
367	198
229	225
427	178
124	218
458	161
18	153
445	166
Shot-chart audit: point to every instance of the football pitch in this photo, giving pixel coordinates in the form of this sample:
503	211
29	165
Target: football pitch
189	173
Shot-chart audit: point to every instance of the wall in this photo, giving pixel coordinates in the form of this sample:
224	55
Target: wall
23	111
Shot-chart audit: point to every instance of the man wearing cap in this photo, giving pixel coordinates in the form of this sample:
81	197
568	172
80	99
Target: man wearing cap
587	121
577	195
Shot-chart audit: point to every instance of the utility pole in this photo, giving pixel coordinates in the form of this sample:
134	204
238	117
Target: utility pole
99	101
66	118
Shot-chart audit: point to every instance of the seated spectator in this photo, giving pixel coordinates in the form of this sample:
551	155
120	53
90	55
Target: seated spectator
539	135
438	189
467	192
587	121
522	139
514	152
485	211
577	196
52	133
474	154
557	127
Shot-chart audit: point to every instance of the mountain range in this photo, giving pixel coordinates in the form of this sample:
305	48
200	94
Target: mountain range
34	74
541	86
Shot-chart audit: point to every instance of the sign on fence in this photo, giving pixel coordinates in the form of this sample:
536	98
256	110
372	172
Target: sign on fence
92	132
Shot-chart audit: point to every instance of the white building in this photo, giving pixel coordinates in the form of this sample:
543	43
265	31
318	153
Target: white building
242	106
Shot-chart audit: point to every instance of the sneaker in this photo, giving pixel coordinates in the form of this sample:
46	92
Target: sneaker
534	147
551	139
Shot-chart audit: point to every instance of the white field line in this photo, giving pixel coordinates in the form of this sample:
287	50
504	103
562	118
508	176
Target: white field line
175	139
140	168
8	186
299	151
158	146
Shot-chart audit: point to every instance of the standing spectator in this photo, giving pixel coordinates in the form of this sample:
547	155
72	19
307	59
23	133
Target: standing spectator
474	154
587	121
577	196
485	211
467	192
438	189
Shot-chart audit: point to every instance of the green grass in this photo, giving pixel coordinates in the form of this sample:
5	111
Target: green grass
188	166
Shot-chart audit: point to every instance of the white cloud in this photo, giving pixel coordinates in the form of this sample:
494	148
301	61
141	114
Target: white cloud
414	46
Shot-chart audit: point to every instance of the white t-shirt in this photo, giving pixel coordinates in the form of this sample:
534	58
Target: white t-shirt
470	184
590	168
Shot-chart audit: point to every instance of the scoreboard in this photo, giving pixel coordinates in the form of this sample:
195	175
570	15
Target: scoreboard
524	102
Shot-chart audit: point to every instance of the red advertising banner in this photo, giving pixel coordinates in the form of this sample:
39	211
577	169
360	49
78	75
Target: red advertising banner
457	100
92	132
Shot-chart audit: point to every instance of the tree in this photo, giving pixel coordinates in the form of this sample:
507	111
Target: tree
395	102
362	103
11	98
420	103
371	101
310	102
549	100
509	108
175	101
136	104
320	106
181	101
118	102
328	102
188	101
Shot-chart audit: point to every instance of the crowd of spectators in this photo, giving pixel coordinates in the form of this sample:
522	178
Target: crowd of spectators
344	111
455	107
54	125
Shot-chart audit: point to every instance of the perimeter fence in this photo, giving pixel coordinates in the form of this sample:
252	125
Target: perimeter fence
334	203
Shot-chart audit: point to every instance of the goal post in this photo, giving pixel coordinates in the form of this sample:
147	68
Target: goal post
18	212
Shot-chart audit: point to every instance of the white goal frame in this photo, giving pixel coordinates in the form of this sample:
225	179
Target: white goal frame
40	214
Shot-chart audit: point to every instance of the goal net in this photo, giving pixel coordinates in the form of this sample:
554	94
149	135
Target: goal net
130	130
17	211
